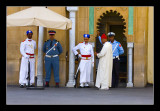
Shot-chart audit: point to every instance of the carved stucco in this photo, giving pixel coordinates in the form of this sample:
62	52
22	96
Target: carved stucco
98	11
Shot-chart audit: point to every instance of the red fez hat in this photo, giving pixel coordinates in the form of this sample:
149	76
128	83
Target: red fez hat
103	36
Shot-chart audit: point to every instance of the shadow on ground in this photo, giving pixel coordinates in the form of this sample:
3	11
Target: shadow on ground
63	95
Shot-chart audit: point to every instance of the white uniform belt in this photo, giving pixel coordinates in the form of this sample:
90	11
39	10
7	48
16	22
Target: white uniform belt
51	56
86	58
115	57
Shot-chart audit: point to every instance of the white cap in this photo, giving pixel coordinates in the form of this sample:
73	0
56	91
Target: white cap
111	34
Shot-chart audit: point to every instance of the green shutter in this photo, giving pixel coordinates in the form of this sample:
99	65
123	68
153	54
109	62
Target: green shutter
91	20
130	21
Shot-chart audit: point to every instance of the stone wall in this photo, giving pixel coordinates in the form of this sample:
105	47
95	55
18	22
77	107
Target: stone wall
142	38
150	67
140	46
14	37
17	34
141	72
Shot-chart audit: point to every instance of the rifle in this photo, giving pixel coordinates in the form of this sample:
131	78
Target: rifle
28	73
76	75
33	88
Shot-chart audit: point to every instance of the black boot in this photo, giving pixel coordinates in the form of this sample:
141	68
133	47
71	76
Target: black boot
57	85
31	85
80	87
86	86
21	86
47	84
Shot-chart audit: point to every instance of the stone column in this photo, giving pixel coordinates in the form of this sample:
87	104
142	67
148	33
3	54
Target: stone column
72	14
40	57
130	55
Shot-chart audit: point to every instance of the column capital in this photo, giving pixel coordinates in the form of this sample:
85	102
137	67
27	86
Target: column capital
130	44
72	9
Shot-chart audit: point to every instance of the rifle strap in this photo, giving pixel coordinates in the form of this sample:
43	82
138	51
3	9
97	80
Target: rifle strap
51	48
115	47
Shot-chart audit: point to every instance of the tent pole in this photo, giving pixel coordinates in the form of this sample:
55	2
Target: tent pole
40	57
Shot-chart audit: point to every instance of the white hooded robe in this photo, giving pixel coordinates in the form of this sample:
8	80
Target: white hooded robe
104	73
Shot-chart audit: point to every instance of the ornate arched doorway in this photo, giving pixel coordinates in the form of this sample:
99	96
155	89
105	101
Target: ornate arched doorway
113	21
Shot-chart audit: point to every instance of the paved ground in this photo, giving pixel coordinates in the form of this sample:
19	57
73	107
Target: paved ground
63	95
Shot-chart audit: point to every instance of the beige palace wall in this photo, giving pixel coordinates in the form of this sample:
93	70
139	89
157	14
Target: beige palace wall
142	38
62	37
150	46
17	34
140	46
14	37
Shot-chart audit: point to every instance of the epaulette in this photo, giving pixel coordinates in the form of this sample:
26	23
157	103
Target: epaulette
23	41
46	40
56	40
81	42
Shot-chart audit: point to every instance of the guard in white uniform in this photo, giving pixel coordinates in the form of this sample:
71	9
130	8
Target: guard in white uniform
27	48
87	60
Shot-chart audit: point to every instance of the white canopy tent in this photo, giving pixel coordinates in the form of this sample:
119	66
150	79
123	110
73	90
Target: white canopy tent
39	16
42	17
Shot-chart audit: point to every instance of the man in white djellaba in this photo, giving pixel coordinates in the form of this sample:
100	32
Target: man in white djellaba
104	73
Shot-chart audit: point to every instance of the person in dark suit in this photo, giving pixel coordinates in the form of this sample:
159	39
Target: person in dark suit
99	46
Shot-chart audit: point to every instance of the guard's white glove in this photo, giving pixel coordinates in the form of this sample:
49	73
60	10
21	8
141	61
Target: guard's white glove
79	55
92	64
27	56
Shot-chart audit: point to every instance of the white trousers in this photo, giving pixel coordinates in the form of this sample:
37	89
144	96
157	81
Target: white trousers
24	71
85	70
